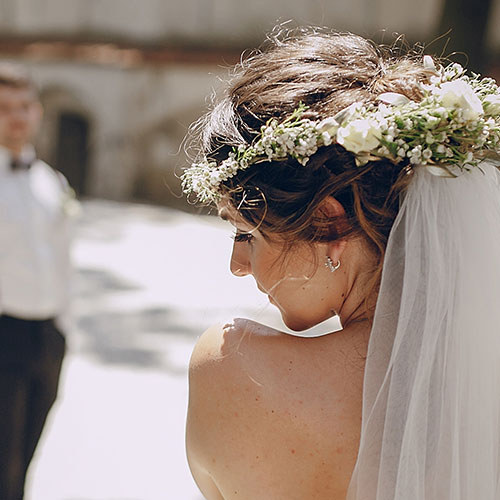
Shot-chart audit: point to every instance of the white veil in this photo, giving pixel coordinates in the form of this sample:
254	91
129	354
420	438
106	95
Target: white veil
431	403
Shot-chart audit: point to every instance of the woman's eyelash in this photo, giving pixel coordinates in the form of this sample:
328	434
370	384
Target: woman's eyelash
241	237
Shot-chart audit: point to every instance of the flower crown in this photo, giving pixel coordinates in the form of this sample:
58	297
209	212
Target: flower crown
452	128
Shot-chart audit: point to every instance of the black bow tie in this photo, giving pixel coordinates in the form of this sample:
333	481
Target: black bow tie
18	165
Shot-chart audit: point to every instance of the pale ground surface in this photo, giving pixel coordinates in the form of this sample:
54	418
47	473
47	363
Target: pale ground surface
148	281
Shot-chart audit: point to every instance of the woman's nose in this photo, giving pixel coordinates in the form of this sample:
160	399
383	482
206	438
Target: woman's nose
240	263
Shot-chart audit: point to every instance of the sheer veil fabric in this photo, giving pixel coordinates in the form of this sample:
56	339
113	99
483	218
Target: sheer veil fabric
431	402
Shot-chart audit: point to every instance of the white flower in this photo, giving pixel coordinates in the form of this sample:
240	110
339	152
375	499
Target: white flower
429	63
329	125
435	80
492	104
392	130
384	110
427	154
459	95
440	112
456	70
347	113
359	135
215	178
326	138
415	155
432	121
393	98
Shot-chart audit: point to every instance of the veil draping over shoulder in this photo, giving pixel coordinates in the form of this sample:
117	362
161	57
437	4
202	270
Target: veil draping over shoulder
431	403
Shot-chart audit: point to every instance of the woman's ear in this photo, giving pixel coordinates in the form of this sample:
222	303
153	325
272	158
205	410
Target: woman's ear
331	212
335	249
330	208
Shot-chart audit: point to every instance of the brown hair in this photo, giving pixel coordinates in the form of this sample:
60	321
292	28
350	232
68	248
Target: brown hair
15	76
327	72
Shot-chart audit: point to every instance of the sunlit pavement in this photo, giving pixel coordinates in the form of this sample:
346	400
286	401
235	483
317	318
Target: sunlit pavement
148	281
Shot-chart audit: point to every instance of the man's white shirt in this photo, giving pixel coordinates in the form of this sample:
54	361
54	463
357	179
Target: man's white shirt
34	239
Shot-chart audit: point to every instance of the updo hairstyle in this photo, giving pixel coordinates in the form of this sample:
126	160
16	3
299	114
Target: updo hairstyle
327	72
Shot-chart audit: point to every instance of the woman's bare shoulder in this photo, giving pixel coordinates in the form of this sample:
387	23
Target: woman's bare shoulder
243	348
225	346
250	355
275	404
216	342
218	394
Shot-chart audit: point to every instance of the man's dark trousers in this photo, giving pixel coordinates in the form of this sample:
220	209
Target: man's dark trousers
31	354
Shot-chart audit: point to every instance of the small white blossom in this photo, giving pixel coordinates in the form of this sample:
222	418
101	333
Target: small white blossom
359	135
435	80
393	98
215	177
429	63
427	154
328	125
460	95
491	104
326	138
440	112
433	121
415	154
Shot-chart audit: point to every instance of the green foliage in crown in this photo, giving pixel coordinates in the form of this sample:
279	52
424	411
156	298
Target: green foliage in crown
452	129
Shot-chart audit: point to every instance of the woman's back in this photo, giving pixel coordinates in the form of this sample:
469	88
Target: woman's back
274	416
356	182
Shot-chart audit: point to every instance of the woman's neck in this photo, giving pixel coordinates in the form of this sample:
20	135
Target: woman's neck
360	293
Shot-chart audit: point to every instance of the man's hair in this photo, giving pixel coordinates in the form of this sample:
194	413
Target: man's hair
16	76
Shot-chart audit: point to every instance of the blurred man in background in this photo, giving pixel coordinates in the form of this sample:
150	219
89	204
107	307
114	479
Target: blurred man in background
35	206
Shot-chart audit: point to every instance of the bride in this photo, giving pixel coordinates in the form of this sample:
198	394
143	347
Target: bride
360	184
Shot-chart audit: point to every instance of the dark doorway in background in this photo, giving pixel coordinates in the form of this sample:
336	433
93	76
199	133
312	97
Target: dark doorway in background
72	151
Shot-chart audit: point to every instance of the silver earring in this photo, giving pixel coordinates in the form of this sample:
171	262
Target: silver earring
330	265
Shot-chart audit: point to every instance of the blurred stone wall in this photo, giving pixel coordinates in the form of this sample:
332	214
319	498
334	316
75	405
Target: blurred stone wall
122	80
212	21
137	120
